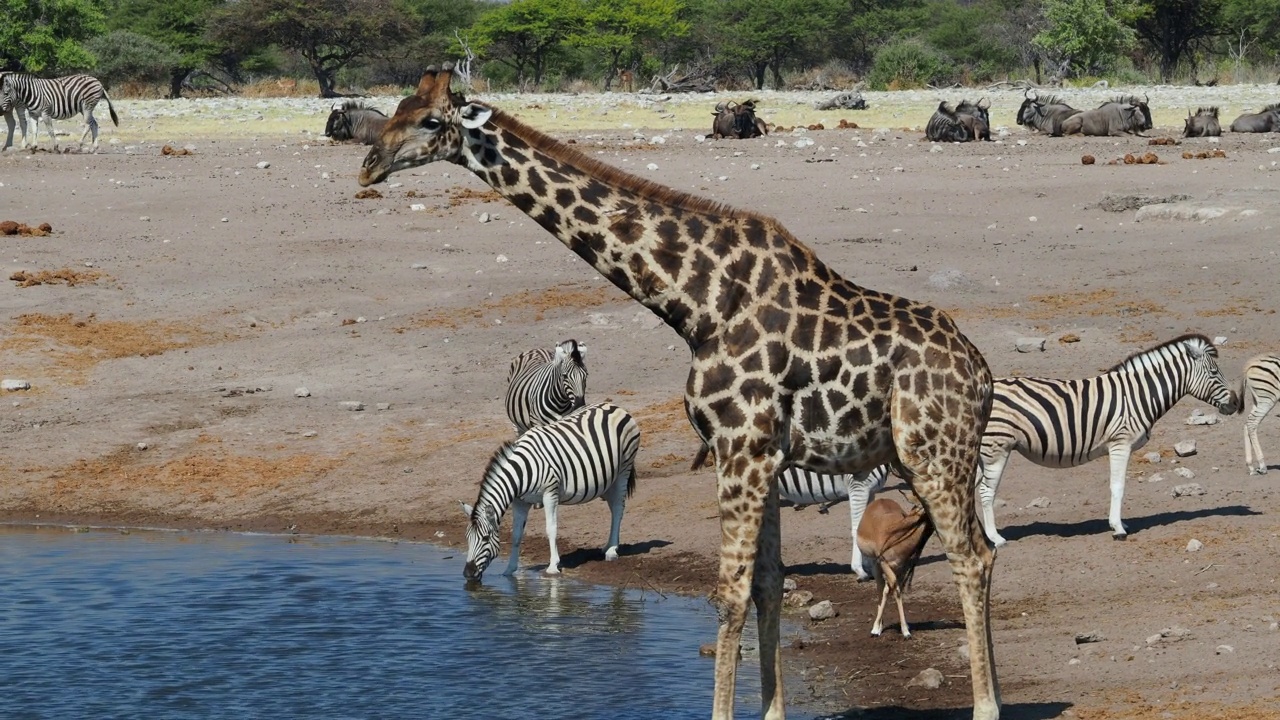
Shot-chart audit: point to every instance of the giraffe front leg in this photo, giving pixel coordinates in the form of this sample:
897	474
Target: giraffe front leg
551	508
1119	452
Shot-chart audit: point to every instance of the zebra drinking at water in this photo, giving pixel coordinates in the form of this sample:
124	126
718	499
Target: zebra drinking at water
353	120
1065	423
1261	381
56	99
587	455
545	385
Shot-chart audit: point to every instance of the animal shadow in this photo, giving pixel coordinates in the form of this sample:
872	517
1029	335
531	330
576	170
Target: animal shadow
582	556
1009	711
1134	524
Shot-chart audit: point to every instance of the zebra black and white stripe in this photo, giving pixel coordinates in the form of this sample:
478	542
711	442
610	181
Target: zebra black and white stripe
55	99
806	487
1261	382
586	455
8	108
1065	423
353	120
545	385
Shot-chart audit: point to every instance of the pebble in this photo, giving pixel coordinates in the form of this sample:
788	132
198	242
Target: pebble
929	679
1187	490
383	406
352	405
1157	477
799	599
1152	457
1202	420
1184	472
1186	448
788	584
484	217
309	434
652	166
263	165
1026	345
13	385
823	611
142	446
1040	502
417	207
302	392
1194	545
1224	650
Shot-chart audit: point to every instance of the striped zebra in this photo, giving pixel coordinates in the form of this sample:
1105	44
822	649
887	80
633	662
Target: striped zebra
802	487
586	455
56	99
1261	381
545	385
1065	423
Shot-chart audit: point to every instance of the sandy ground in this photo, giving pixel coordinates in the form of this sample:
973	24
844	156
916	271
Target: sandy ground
179	302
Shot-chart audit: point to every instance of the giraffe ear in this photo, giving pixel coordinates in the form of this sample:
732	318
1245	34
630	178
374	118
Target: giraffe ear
475	116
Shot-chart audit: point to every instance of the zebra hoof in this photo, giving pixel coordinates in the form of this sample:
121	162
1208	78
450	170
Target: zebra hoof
611	554
1262	470
553	570
1119	536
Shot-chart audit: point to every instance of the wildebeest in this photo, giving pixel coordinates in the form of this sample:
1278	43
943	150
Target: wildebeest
737	120
353	120
1203	124
1043	114
1268	120
965	122
1117	116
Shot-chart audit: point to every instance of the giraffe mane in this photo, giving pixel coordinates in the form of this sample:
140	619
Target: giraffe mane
1208	347
613	176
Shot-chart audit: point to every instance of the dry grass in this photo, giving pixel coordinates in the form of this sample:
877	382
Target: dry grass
524	306
1105	302
68	347
1138	709
63	276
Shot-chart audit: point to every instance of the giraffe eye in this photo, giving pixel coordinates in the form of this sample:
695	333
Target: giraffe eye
431	123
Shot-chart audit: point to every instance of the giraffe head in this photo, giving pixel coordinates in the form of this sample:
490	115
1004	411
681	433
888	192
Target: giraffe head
427	127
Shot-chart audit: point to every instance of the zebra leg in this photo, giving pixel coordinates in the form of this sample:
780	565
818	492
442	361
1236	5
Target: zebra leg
90	126
1252	448
990	470
551	508
861	489
1119	452
519	514
617	505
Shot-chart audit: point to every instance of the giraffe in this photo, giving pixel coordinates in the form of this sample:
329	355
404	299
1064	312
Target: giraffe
791	363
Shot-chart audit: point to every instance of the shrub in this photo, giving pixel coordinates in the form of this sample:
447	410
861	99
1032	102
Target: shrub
125	56
909	64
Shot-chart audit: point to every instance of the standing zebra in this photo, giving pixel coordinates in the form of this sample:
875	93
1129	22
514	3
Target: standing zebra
802	487
56	99
1261	381
545	385
587	455
8	109
1065	423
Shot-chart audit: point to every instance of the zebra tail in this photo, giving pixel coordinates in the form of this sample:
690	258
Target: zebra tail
111	108
1241	387
631	482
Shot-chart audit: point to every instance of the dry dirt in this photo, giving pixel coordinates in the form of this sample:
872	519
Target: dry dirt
181	299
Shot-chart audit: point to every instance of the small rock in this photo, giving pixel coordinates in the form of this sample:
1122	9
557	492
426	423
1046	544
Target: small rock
1202	420
302	392
1187	490
263	165
142	446
13	385
1184	472
1224	650
652	166
1194	545
929	679
309	434
1073	661
823	611
788	584
963	650
351	405
1026	345
1153	639
1186	448
484	217
1220	340
1089	637
798	599
417	207
1040	502
1152	457
1156	477
383	406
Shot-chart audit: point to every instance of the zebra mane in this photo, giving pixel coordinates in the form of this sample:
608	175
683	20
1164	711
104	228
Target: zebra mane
1136	359
503	454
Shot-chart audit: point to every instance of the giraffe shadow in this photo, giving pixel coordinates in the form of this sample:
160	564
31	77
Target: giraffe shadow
1134	524
582	556
1008	711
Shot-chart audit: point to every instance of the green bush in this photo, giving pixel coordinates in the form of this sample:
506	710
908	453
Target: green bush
909	64
125	56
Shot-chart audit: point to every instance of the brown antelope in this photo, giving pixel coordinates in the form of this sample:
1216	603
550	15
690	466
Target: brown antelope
893	540
626	81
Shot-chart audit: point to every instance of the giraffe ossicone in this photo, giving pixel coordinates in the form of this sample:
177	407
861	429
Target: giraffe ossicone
791	363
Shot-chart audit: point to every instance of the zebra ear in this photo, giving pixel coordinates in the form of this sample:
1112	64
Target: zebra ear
466	508
475	116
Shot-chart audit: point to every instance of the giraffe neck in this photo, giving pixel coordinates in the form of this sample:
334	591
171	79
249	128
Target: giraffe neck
634	232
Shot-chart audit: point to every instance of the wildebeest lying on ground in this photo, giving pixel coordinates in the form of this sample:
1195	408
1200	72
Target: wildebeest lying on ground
1044	114
737	120
1268	120
1203	124
353	120
1120	115
966	121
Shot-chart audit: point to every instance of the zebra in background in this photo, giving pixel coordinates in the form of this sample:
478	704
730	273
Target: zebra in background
1261	381
587	455
353	120
545	385
56	99
802	487
1065	423
8	109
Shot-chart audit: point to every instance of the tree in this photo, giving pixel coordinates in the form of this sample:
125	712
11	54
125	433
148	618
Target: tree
619	28
766	34
124	55
329	34
47	36
1253	20
524	34
1173	27
437	26
180	26
1088	35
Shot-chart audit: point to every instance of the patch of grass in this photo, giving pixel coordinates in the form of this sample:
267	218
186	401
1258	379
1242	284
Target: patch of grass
526	305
